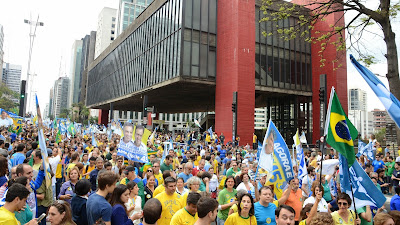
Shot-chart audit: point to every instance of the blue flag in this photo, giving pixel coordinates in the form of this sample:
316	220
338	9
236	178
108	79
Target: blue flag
94	142
210	131
388	100
365	149
365	191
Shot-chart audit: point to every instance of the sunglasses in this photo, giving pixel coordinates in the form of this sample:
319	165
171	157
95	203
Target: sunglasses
343	203
180	168
149	170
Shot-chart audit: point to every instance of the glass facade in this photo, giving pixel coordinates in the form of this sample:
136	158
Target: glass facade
279	63
200	39
148	56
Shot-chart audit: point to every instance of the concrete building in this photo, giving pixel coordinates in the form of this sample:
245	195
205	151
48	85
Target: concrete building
51	103
379	118
12	78
60	95
358	114
106	34
260	118
171	53
128	11
75	72
1	50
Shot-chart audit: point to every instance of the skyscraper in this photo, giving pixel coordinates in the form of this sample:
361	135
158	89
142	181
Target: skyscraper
105	29
358	110
1	50
60	96
75	72
12	77
128	11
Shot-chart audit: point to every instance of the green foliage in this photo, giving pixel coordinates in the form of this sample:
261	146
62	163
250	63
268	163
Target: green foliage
80	112
6	96
380	136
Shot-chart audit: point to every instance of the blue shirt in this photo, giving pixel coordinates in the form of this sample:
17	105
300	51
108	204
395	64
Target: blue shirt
222	153
226	160
265	215
185	177
395	203
17	158
98	207
377	164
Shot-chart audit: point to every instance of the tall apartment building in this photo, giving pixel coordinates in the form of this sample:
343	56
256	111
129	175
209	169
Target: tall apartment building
128	11
1	50
60	95
51	101
379	119
358	114
260	118
75	72
106	26
12	77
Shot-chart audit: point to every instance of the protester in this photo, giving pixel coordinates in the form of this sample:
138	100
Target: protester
60	214
226	200
149	188
245	214
78	202
119	197
134	204
284	215
322	218
316	188
68	188
383	219
344	215
188	214
206	211
170	200
152	212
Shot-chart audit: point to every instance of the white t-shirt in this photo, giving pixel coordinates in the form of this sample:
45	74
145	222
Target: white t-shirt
54	161
306	182
322	205
242	186
138	207
6	122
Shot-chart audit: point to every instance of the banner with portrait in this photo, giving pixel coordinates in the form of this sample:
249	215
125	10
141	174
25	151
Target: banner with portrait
133	144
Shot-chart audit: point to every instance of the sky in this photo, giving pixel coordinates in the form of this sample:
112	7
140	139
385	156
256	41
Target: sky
67	21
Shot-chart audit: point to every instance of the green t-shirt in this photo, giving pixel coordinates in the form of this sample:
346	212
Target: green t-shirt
364	222
164	167
390	169
225	197
230	172
48	195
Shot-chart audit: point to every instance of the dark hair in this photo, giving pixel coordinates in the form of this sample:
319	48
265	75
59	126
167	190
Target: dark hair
168	156
74	156
310	169
206	174
169	180
397	190
230	177
106	178
193	198
92	158
279	209
17	190
20	168
242	175
206	205
63	206
166	174
116	195
240	198
305	210
107	164
380	170
38	153
131	185
152	211
316	184
82	187
396	216
3	166
21	180
344	196
35	145
139	127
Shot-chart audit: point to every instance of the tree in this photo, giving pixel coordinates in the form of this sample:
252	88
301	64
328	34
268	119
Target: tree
378	18
7	95
380	136
64	113
80	112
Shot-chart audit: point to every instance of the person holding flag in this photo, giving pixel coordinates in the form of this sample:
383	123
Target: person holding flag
340	133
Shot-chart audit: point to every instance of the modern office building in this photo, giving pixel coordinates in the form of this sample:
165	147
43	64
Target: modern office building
88	52
358	114
191	56
128	11
60	95
75	72
379	119
1	50
106	27
12	78
51	103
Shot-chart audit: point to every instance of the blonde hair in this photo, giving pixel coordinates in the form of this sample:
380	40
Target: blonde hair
381	218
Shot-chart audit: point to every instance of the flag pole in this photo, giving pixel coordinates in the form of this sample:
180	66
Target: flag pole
322	159
352	193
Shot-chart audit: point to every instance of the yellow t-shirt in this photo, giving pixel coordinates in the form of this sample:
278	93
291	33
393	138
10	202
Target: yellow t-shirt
303	222
235	219
215	165
70	166
59	170
159	189
159	178
339	220
183	217
170	205
184	197
234	208
36	166
196	163
254	139
7	217
89	149
176	162
89	169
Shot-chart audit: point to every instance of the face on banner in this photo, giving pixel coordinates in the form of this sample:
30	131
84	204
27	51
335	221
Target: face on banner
128	131
269	145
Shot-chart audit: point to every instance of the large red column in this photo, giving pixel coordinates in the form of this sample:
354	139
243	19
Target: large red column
336	76
235	68
103	116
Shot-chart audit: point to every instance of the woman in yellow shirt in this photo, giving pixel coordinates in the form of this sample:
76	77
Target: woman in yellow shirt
344	216
245	214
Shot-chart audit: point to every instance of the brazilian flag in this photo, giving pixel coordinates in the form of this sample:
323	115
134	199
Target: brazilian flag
58	137
71	129
341	132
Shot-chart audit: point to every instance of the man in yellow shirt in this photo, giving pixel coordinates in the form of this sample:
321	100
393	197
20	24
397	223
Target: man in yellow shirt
170	201
157	174
161	188
15	200
188	214
206	210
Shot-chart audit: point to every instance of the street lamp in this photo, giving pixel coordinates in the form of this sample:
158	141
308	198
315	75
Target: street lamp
32	33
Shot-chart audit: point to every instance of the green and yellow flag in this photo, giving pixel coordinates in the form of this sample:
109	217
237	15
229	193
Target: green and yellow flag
58	137
339	131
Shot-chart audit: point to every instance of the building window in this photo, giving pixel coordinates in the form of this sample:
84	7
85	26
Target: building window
112	38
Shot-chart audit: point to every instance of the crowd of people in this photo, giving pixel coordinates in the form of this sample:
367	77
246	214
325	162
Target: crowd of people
200	180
